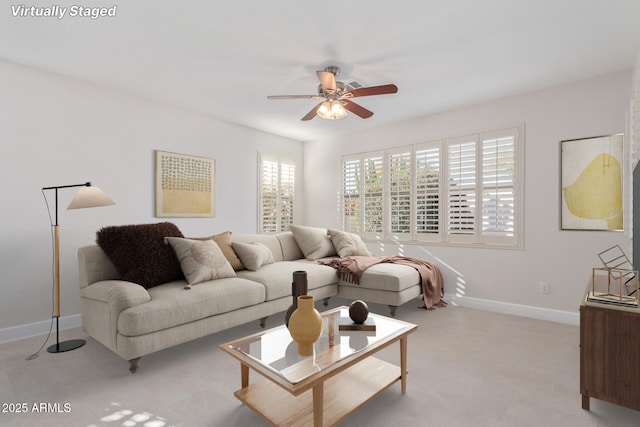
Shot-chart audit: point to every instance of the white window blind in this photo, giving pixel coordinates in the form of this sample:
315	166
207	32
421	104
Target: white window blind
372	192
277	194
498	186
400	184
427	189
462	190
462	187
352	202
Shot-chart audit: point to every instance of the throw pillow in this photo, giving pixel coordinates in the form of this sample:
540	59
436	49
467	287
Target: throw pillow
314	242
348	244
201	260
139	253
224	242
253	255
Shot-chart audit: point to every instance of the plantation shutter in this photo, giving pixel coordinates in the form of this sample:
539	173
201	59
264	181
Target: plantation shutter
372	192
498	187
428	191
287	195
352	202
400	183
459	191
462	188
277	194
269	196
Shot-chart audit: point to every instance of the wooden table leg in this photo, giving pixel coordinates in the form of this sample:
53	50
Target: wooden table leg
403	364
244	375
318	404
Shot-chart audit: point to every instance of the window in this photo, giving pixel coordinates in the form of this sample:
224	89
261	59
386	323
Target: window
400	184
277	194
427	191
461	190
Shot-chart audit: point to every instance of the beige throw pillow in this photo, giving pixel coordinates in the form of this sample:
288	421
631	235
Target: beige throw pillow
224	242
253	255
314	242
348	244
200	260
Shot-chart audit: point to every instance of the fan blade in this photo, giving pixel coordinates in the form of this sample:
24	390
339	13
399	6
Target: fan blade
356	109
294	97
311	114
372	90
327	80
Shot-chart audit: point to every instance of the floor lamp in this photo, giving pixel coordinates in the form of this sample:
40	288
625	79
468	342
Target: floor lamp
86	197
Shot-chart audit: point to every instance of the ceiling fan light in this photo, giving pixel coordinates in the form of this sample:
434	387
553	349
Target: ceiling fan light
332	110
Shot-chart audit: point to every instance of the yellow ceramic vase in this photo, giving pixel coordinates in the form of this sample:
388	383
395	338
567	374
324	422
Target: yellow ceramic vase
305	325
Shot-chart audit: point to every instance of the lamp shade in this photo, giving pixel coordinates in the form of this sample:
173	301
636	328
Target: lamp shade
332	110
90	197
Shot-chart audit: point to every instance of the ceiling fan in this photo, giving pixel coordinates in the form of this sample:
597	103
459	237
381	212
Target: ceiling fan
337	96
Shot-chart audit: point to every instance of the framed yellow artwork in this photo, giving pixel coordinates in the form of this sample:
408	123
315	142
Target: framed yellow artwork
185	185
592	184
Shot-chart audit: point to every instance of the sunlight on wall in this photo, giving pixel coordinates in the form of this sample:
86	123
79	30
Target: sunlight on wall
396	240
460	280
126	417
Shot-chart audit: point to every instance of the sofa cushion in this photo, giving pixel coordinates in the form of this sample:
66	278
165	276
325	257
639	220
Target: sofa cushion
139	253
224	242
313	241
269	240
277	277
290	249
348	244
200	260
387	277
171	305
253	255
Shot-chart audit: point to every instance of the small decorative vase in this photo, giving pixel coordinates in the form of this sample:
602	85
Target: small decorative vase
305	325
298	287
358	311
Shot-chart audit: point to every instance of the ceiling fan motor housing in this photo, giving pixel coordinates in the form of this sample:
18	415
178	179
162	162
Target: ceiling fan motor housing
333	70
329	94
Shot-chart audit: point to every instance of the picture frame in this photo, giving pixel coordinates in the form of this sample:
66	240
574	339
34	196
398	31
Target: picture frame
185	185
592	182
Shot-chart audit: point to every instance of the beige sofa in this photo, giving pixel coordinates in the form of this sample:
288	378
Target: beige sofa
133	321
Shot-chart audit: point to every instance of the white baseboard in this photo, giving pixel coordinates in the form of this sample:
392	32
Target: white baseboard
28	330
559	316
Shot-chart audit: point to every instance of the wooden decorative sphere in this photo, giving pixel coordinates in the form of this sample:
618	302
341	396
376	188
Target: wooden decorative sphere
358	311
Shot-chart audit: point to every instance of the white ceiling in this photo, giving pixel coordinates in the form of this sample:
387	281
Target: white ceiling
222	58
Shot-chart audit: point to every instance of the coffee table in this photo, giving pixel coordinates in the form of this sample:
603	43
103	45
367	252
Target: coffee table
326	388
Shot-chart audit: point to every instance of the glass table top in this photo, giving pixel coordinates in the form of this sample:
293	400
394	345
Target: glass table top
276	350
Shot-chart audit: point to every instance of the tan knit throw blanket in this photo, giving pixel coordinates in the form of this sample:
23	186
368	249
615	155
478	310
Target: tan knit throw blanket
351	268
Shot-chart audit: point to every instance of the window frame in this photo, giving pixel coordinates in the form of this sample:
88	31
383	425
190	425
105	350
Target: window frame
486	172
284	198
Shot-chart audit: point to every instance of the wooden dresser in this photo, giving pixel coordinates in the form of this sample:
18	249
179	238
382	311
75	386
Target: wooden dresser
609	355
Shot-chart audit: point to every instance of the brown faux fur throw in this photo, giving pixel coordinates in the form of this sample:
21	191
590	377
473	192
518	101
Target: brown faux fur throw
351	268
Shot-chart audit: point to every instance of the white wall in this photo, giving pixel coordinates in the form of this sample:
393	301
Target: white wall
56	131
562	258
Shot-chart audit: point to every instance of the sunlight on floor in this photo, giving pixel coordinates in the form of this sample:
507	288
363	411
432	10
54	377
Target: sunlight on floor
126	417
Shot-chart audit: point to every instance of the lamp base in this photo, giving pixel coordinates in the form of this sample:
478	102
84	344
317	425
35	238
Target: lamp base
66	346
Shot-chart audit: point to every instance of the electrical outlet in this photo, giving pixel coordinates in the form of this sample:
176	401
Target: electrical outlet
544	287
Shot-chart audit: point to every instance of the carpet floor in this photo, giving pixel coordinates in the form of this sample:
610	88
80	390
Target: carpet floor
467	367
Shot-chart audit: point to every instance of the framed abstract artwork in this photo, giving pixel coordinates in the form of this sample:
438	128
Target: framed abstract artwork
185	185
592	183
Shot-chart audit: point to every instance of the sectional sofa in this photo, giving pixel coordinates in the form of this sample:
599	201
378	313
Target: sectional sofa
254	283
